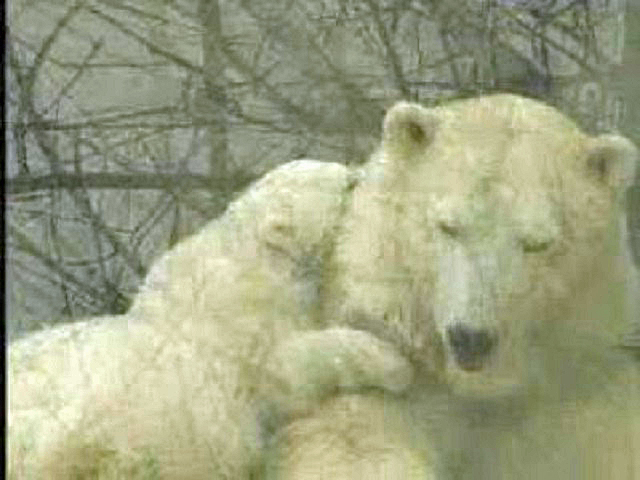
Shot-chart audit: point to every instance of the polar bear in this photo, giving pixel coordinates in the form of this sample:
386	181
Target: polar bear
479	212
223	336
493	230
478	235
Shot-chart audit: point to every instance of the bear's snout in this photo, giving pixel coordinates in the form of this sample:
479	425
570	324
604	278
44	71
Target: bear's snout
471	346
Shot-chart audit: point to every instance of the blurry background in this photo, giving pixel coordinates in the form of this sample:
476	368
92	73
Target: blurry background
131	123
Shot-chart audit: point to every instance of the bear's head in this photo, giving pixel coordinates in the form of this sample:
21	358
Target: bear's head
487	231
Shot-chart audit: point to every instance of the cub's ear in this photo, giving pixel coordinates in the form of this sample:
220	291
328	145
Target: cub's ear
612	159
408	127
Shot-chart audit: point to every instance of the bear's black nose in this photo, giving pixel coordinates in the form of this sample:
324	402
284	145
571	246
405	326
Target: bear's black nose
471	346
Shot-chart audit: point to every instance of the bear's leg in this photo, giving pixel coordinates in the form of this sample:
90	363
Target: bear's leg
350	437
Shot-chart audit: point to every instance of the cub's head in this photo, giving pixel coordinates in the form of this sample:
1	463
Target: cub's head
485	230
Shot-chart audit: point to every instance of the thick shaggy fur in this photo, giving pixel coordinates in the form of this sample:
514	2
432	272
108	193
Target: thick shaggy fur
494	215
222	339
351	437
498	215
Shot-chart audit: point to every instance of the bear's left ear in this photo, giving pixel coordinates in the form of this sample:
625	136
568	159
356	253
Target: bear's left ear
408	128
612	159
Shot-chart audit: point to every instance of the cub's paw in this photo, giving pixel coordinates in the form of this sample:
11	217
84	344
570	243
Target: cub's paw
313	365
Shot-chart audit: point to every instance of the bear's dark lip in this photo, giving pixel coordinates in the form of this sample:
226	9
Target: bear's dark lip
470	364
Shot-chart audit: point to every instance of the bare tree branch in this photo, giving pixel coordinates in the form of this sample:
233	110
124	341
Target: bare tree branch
120	181
23	243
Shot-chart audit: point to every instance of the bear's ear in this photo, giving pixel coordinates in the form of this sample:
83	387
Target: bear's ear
612	159
407	127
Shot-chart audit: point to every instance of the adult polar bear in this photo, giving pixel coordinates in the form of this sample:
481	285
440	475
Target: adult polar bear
509	240
459	244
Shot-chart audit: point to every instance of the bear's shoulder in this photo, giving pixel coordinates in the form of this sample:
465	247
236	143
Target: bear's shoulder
290	212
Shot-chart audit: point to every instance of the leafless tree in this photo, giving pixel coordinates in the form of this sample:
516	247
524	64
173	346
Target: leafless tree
130	124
